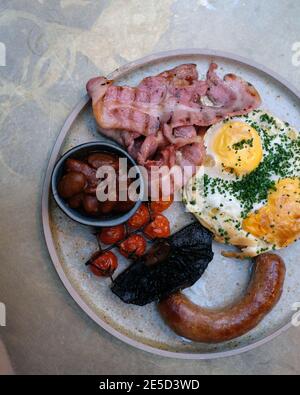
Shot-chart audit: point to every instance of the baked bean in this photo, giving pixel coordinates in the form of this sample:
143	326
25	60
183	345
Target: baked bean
103	159
106	207
91	205
123	207
75	202
71	184
79	185
81	167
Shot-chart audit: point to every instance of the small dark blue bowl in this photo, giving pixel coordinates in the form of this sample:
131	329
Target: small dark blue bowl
81	152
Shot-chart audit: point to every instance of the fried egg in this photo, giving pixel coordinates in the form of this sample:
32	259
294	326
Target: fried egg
248	190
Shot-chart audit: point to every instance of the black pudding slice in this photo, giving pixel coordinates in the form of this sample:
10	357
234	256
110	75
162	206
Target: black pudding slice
171	265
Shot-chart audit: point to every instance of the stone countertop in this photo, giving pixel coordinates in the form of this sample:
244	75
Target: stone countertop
52	49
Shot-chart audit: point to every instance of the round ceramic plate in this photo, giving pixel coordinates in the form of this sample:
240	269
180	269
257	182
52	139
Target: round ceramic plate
70	244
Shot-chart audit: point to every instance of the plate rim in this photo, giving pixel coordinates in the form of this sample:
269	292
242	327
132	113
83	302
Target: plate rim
118	73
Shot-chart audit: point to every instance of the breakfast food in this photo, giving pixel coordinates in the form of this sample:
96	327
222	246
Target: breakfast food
160	206
243	186
158	228
141	218
173	97
130	239
133	246
215	326
112	235
161	121
172	264
245	190
248	190
78	186
103	264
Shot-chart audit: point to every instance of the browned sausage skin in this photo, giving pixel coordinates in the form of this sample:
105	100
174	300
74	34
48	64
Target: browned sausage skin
215	326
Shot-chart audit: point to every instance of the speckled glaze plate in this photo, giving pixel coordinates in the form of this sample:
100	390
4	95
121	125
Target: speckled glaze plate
70	244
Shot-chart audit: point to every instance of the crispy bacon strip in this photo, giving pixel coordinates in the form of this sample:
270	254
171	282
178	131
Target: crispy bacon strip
161	122
174	97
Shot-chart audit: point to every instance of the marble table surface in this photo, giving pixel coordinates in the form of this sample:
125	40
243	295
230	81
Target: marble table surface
52	49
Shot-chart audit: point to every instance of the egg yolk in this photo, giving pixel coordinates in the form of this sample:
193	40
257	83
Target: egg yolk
279	221
239	148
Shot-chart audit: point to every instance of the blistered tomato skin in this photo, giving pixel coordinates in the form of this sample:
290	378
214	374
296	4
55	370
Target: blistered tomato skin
140	218
159	228
161	205
112	235
103	264
135	245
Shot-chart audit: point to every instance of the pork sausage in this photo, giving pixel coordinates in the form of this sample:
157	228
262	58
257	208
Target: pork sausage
216	326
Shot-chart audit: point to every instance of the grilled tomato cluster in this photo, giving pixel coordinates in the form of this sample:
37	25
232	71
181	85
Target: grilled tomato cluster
146	225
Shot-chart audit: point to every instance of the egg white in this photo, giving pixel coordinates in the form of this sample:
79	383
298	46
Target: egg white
222	212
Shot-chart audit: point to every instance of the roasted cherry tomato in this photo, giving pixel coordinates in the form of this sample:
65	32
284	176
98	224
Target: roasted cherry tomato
103	264
159	228
140	218
112	235
135	245
161	205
